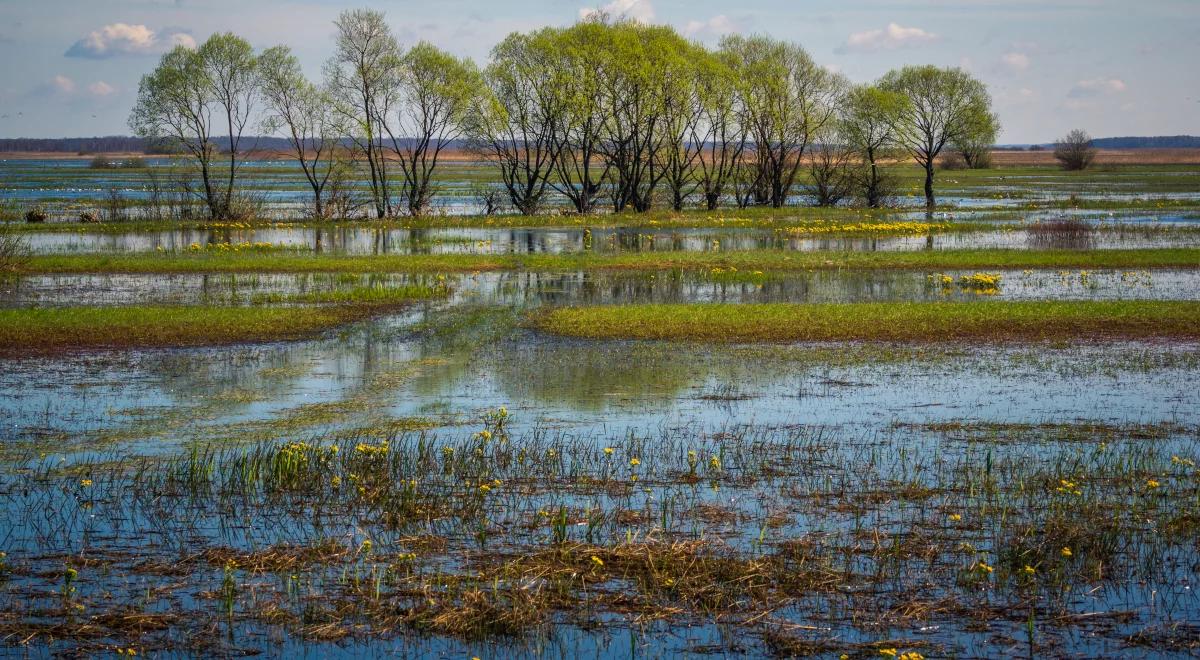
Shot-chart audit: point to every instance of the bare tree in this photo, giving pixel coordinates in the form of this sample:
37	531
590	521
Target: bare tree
305	115
1074	151
829	168
363	76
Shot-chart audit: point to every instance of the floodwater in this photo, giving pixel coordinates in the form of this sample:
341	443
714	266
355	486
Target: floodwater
431	372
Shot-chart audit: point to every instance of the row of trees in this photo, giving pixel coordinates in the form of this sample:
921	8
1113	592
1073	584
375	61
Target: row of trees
622	113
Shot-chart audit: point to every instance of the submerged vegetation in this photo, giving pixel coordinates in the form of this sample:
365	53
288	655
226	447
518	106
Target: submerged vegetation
797	540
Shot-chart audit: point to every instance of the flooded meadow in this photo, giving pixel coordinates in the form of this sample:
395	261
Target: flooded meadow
436	469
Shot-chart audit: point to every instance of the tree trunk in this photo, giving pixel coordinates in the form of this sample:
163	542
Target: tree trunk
929	201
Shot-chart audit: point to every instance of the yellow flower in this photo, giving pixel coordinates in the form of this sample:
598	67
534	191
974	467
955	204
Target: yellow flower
1066	552
955	517
911	655
608	451
597	561
1029	570
85	482
634	462
1151	483
891	653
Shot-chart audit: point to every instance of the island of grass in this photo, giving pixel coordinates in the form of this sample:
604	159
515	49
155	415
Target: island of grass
53	329
882	321
764	260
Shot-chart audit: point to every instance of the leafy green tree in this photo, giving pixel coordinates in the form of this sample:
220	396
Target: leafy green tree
719	132
516	125
305	115
683	113
945	105
868	121
580	169
363	79
191	95
788	99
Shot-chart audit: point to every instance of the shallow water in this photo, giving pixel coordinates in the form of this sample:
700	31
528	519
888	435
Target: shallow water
1142	232
579	288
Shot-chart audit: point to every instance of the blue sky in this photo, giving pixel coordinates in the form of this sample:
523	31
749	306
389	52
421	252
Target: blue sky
1112	67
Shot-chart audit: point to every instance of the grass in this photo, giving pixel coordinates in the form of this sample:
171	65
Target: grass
989	321
36	330
765	260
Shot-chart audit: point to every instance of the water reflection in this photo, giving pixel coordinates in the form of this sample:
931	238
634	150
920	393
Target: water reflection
366	240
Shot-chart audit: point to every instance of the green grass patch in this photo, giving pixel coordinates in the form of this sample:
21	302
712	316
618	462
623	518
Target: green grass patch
37	330
940	321
750	260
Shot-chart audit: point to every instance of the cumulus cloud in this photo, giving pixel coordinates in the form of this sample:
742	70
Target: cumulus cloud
62	84
100	88
1015	62
124	39
638	10
1097	87
889	38
715	26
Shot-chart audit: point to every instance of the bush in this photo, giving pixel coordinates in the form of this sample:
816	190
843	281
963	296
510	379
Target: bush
13	250
36	214
89	217
1074	152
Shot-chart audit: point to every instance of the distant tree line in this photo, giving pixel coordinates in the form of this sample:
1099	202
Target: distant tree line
603	113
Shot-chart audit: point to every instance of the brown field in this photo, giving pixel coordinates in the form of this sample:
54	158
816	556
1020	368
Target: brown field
1103	157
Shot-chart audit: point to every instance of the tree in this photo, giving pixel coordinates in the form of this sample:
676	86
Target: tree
516	126
643	77
192	94
682	146
944	106
363	77
718	133
305	114
437	90
868	120
788	99
1074	151
579	168
829	170
975	145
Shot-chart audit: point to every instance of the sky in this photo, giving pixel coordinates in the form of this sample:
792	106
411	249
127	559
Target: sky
70	68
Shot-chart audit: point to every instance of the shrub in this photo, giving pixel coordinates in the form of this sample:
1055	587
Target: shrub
89	217
36	214
1074	152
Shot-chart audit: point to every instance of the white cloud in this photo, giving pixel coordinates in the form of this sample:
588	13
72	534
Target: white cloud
63	84
1015	62
100	88
126	39
890	38
716	26
1096	87
638	10
1025	93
